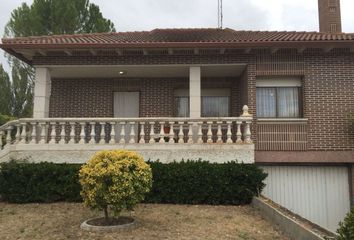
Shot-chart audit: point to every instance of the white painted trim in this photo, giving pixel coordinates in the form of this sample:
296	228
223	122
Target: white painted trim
279	82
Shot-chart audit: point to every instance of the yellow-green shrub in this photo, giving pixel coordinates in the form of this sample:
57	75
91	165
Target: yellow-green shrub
114	180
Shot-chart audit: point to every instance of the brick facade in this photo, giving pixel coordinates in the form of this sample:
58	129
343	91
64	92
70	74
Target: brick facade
328	88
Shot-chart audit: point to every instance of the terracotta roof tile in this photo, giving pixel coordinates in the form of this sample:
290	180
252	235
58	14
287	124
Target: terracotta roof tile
175	36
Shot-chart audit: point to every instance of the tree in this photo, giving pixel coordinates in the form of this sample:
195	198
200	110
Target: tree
5	92
47	17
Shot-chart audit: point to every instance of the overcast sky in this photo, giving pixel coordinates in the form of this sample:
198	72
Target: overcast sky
137	15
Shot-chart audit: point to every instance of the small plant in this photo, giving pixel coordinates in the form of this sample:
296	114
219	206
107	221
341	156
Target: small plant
346	228
114	180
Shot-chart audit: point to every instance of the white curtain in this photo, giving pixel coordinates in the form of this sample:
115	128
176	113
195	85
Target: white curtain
266	103
182	106
288	102
215	106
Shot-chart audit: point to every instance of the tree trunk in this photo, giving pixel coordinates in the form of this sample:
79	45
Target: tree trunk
106	214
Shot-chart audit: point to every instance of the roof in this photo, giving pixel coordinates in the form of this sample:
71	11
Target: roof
175	38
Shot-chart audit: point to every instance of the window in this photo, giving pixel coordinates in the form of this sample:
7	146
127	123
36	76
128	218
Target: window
214	102
333	27
182	106
279	98
215	106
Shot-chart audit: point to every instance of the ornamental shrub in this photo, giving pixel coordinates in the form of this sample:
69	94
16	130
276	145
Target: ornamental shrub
114	180
346	228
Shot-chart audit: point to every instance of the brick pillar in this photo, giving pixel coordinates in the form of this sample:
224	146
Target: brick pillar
42	89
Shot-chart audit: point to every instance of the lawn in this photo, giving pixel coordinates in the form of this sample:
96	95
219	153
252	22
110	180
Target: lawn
155	221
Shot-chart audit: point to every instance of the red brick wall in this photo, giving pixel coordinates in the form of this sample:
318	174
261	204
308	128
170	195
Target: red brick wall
328	90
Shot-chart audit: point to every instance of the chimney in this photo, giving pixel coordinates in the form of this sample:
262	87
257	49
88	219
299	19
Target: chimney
329	15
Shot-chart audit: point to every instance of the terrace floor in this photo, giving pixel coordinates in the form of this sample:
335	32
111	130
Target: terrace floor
155	221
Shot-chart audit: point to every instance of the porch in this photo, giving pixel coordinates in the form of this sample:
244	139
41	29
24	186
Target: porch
166	113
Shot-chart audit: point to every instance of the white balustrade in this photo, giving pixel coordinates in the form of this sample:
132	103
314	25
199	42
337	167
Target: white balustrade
102	131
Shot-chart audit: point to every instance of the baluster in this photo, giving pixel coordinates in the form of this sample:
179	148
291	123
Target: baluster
238	133
219	133
52	133
1	142
82	137
162	132
171	134
190	133
229	133
152	132
72	133
62	133
8	136
43	130
200	133
210	133
102	134
132	132
113	133
93	133
181	134
122	133
34	133
247	134
142	133
18	133
23	134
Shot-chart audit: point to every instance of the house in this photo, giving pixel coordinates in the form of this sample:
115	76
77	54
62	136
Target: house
279	99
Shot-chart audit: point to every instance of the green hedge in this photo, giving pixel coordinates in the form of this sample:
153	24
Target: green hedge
180	183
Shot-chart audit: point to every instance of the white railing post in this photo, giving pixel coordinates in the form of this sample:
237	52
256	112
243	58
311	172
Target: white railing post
23	134
229	133
152	133
82	139
42	135
200	133
52	134
162	132
219	133
180	133
113	133
210	133
132	132
62	133
171	134
8	136
142	133
248	132
122	133
102	133
238	133
93	133
34	133
190	133
72	133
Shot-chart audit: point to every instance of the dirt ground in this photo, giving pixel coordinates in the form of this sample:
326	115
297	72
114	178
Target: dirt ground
154	221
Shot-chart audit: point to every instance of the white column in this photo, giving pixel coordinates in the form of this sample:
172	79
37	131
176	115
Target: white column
194	92
42	88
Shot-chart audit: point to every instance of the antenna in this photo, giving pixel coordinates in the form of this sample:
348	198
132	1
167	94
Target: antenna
220	14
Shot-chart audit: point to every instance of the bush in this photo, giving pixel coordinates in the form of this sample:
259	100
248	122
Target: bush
180	183
5	118
346	228
114	180
23	182
205	183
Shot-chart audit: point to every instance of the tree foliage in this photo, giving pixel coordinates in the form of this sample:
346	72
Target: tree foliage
5	92
346	228
46	17
115	180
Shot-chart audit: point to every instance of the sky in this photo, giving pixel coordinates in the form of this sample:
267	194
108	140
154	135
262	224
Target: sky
138	15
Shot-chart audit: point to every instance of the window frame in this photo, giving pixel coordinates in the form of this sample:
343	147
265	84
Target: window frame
300	100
